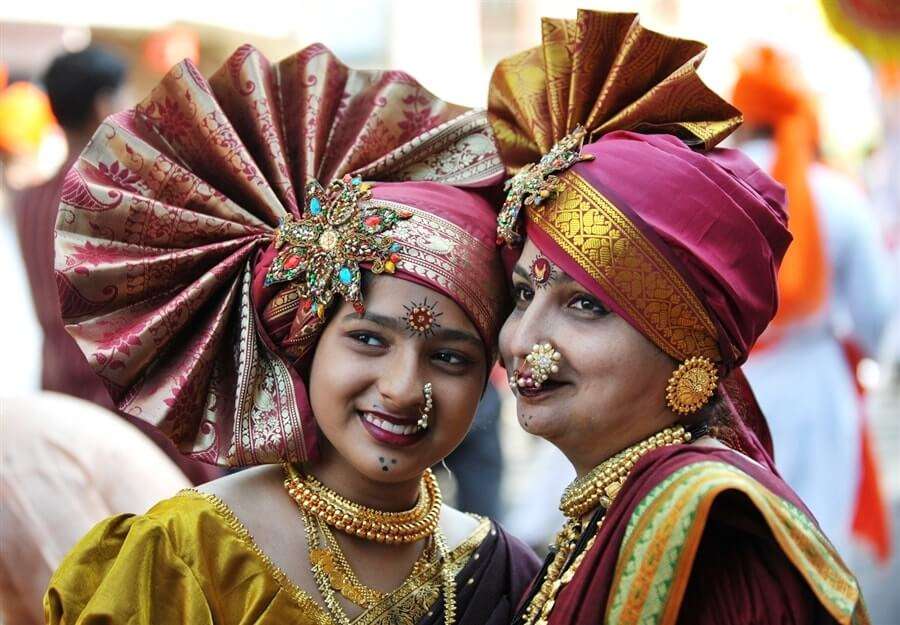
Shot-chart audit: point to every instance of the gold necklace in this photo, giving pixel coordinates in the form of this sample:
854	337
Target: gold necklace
407	526
599	487
340	573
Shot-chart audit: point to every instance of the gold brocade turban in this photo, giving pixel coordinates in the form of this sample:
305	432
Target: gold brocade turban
604	72
592	76
203	233
680	238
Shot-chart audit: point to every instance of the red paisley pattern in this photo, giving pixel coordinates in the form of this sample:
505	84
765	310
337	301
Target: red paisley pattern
166	212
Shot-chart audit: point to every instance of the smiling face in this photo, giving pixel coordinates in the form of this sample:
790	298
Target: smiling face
609	391
369	372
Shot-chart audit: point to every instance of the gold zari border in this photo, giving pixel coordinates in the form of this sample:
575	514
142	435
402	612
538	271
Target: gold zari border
631	271
406	602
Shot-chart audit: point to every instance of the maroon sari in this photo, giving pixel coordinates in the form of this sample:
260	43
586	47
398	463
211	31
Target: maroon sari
725	559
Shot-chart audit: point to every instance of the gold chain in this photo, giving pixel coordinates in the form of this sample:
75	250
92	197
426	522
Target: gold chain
599	487
332	571
408	526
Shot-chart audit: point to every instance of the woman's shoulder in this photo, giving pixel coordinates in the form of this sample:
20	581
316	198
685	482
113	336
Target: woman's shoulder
697	491
470	534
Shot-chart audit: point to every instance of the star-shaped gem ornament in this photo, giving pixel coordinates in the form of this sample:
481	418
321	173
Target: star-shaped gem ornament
322	250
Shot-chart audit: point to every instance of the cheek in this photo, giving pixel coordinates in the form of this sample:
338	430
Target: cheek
336	378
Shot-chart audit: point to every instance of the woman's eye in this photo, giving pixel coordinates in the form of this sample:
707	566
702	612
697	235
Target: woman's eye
451	358
522	294
588	304
367	339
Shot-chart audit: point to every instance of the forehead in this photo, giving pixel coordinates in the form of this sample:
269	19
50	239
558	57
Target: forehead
391	295
532	260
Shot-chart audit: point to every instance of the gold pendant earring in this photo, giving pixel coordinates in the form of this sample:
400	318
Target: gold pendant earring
429	404
691	385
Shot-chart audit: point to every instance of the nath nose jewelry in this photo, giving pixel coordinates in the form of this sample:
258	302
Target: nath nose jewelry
429	404
543	361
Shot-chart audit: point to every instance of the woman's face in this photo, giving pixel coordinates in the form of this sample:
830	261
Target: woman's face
368	376
610	388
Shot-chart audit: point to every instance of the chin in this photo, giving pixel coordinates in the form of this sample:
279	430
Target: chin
540	421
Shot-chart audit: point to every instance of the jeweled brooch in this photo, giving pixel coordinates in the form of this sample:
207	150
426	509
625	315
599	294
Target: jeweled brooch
322	251
536	183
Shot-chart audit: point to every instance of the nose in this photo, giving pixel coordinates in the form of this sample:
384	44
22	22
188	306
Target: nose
526	329
401	382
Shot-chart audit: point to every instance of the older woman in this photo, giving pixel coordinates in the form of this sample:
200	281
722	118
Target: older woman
333	337
646	275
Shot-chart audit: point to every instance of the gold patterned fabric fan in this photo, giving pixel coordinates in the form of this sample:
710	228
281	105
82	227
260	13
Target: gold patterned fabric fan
604	72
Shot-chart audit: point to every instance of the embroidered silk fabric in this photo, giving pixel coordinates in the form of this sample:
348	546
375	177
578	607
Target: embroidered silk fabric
167	214
189	560
606	72
661	536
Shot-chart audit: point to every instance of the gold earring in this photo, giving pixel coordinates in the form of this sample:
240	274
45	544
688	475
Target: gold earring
429	404
691	385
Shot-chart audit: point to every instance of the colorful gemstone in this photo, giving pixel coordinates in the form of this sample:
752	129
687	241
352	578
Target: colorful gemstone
395	247
315	206
292	262
356	180
345	275
389	266
372	221
395	258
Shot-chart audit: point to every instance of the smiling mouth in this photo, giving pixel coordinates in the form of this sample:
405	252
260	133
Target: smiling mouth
391	431
387	426
531	393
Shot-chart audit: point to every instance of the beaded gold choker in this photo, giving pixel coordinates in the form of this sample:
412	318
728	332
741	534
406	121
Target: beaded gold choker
600	486
407	526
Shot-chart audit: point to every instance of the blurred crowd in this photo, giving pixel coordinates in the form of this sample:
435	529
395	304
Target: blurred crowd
827	373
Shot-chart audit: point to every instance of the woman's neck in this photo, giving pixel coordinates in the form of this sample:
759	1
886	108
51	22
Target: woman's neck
339	475
592	452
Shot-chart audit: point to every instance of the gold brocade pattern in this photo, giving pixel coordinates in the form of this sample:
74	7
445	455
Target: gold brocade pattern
606	72
629	268
432	248
404	606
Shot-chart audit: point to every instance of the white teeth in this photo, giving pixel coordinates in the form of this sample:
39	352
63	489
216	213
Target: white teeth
404	430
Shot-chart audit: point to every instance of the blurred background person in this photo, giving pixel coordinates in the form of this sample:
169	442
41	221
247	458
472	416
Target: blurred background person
66	465
83	88
477	464
835	290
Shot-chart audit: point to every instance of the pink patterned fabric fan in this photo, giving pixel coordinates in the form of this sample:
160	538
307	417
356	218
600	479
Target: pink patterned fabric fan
167	213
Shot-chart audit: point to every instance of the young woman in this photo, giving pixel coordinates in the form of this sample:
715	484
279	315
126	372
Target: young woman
647	273
333	337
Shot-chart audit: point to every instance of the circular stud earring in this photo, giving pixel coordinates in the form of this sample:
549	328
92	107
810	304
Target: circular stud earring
429	404
691	385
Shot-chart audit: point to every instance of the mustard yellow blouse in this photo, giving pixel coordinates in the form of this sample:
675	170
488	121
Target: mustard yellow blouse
190	560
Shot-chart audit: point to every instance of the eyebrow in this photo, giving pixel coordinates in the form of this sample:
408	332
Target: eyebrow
395	324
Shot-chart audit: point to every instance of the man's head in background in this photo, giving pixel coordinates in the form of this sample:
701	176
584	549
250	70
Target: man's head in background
84	87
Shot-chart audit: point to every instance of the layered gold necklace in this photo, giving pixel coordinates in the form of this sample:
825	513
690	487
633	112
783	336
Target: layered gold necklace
323	509
408	526
596	489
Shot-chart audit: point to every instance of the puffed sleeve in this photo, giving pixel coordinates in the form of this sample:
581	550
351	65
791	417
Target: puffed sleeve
125	570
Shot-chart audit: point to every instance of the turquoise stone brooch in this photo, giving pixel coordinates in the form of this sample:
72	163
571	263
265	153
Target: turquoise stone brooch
322	251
